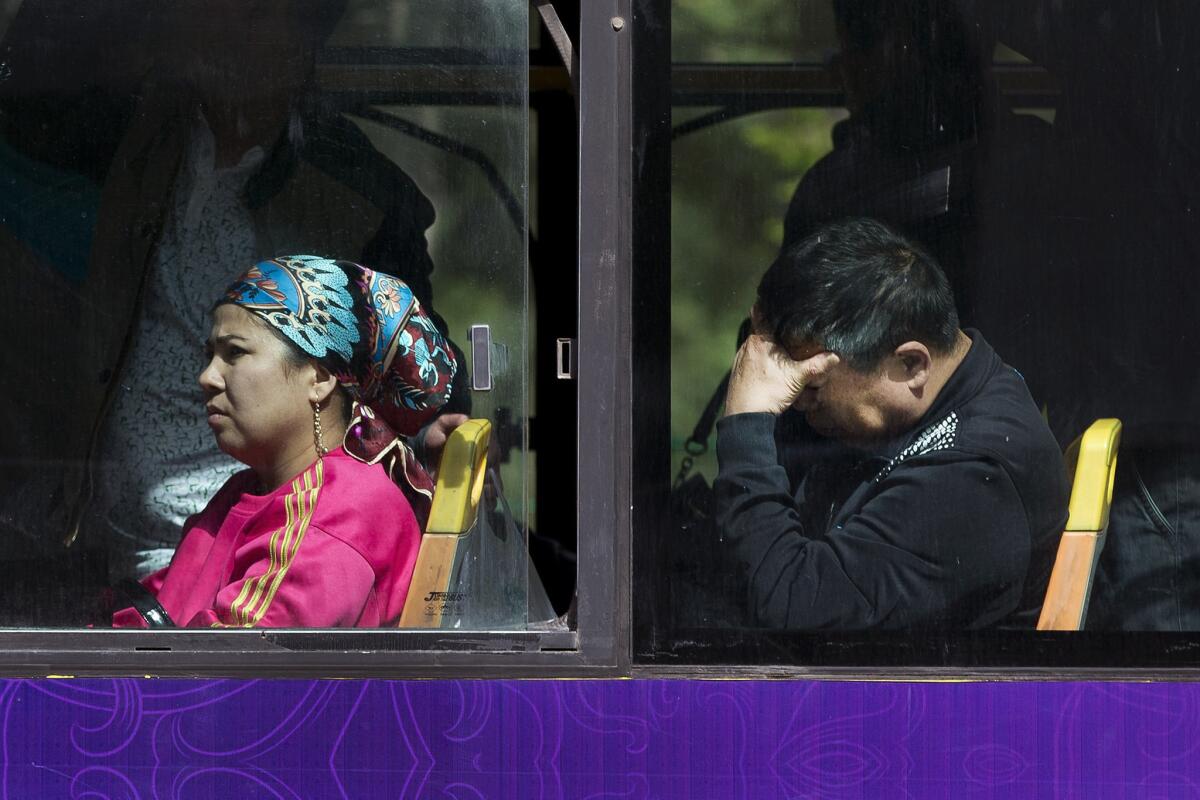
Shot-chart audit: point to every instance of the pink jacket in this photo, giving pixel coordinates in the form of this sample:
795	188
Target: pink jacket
334	547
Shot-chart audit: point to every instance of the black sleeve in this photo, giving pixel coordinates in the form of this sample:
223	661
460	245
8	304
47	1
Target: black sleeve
939	543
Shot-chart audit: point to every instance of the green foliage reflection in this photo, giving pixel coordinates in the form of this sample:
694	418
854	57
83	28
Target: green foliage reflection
751	30
730	189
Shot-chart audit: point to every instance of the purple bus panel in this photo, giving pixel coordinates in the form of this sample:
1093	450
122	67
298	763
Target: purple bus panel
127	739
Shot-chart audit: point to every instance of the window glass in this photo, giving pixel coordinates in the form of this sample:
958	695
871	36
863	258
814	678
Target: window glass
718	32
268	435
1038	155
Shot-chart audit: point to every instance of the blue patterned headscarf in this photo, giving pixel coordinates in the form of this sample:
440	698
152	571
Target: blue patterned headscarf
366	325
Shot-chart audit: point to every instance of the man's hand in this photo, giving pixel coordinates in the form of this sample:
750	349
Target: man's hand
766	379
436	434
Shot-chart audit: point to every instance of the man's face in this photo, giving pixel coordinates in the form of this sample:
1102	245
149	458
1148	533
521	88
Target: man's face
856	408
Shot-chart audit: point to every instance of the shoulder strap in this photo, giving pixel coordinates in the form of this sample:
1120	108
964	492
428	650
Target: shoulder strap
697	443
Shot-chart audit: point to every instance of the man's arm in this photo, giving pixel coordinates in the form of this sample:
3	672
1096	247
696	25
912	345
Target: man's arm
942	543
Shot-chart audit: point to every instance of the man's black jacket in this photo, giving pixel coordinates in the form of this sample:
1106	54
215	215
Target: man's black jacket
953	524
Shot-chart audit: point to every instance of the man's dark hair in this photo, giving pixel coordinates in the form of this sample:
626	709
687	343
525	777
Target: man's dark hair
860	290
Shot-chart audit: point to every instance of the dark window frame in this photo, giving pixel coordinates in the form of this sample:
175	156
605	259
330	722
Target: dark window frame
598	643
622	468
658	649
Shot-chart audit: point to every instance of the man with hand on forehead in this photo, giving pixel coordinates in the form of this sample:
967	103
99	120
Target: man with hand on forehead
932	493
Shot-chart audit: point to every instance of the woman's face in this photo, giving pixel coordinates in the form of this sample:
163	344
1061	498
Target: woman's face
259	411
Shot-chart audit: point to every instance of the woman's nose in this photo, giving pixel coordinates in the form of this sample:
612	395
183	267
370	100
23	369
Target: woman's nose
210	378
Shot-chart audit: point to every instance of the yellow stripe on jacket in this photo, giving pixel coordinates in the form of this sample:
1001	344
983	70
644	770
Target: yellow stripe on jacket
256	596
252	587
288	555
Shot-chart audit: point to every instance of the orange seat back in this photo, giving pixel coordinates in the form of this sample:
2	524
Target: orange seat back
1092	465
455	507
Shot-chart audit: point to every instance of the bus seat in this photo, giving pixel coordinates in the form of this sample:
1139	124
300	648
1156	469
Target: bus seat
455	505
1092	461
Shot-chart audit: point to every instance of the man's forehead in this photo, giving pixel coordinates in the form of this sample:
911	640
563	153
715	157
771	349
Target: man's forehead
806	349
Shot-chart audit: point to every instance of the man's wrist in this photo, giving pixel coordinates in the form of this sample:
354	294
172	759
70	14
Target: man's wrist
749	405
746	438
749	399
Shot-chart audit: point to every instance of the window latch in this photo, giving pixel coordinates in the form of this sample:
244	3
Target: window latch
565	351
481	357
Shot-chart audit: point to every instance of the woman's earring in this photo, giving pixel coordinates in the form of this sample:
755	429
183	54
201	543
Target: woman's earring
318	439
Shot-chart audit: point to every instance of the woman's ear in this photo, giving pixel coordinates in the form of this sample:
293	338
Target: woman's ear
323	386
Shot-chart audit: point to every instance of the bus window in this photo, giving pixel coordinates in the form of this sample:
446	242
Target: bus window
1019	179
264	261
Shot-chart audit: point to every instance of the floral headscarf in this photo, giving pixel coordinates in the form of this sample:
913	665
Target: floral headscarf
399	375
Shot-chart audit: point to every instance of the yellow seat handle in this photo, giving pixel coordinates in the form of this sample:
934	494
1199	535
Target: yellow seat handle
460	478
1095	455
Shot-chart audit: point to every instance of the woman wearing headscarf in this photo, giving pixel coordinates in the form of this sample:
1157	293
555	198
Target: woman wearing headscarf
316	371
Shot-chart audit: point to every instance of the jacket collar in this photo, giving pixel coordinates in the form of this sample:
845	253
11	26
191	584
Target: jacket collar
977	367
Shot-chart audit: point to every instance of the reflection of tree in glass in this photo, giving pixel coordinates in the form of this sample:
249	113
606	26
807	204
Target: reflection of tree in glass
751	30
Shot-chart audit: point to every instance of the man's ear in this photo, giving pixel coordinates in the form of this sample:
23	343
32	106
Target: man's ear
913	363
323	385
